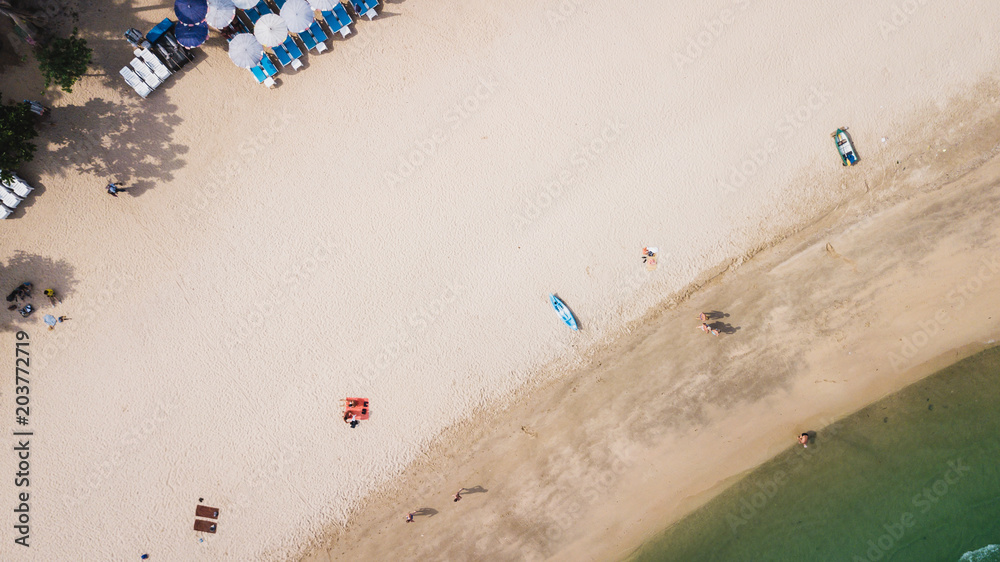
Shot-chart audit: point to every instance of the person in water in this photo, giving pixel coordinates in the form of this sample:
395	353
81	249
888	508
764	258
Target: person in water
804	440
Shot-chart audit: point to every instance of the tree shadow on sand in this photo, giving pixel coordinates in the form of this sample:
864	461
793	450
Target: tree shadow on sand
130	143
43	273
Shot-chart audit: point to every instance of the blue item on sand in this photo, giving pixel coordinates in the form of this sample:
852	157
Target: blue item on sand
158	31
563	311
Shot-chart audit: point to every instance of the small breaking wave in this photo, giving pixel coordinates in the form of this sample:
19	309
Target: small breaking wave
989	553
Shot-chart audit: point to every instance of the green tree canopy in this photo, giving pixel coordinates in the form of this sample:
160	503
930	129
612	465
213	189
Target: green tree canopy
17	128
64	61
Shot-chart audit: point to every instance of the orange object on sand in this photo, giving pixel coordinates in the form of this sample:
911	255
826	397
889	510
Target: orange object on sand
357	407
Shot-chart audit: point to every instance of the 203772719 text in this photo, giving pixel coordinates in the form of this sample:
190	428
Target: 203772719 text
22	438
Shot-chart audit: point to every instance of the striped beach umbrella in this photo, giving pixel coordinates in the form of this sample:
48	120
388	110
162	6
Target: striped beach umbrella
271	30
298	15
220	13
245	50
191	36
190	12
322	5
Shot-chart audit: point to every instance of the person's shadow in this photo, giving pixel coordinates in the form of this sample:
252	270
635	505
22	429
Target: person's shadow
724	327
428	511
716	315
475	490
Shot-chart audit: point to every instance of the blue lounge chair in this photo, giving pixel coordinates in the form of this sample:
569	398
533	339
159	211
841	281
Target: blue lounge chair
365	8
269	67
307	40
253	15
293	50
317	31
280	4
263	8
283	57
261	77
338	20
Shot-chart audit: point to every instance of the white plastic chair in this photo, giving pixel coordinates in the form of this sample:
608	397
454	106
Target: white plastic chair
145	73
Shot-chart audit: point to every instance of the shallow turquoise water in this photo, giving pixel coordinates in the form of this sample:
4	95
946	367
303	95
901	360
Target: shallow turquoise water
914	477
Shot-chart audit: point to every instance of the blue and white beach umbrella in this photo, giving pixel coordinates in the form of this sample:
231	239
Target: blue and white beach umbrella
271	30
220	13
245	50
190	12
322	5
245	4
298	15
191	36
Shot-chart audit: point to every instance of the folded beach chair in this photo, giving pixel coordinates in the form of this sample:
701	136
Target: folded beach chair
145	73
338	20
308	40
317	31
293	49
263	8
147	56
19	187
8	198
206	512
262	77
268	66
204	526
365	8
135	82
4	212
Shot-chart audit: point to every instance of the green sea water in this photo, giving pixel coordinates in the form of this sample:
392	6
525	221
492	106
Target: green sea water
914	477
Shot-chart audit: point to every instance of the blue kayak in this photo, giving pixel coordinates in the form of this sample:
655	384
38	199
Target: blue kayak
563	311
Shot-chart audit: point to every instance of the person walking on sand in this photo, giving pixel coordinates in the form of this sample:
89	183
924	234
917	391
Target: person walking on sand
804	440
703	317
409	517
114	188
458	494
64	318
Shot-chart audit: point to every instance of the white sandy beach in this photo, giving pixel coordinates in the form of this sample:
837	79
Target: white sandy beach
389	221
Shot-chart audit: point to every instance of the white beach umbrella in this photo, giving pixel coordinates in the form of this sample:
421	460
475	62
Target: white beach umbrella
245	50
271	30
298	14
220	13
322	5
245	4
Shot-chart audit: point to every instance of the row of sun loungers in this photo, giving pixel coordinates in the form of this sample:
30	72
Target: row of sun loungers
289	53
145	72
11	195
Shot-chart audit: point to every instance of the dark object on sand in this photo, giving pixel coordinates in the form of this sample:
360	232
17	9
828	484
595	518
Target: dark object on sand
205	511
204	526
27	310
